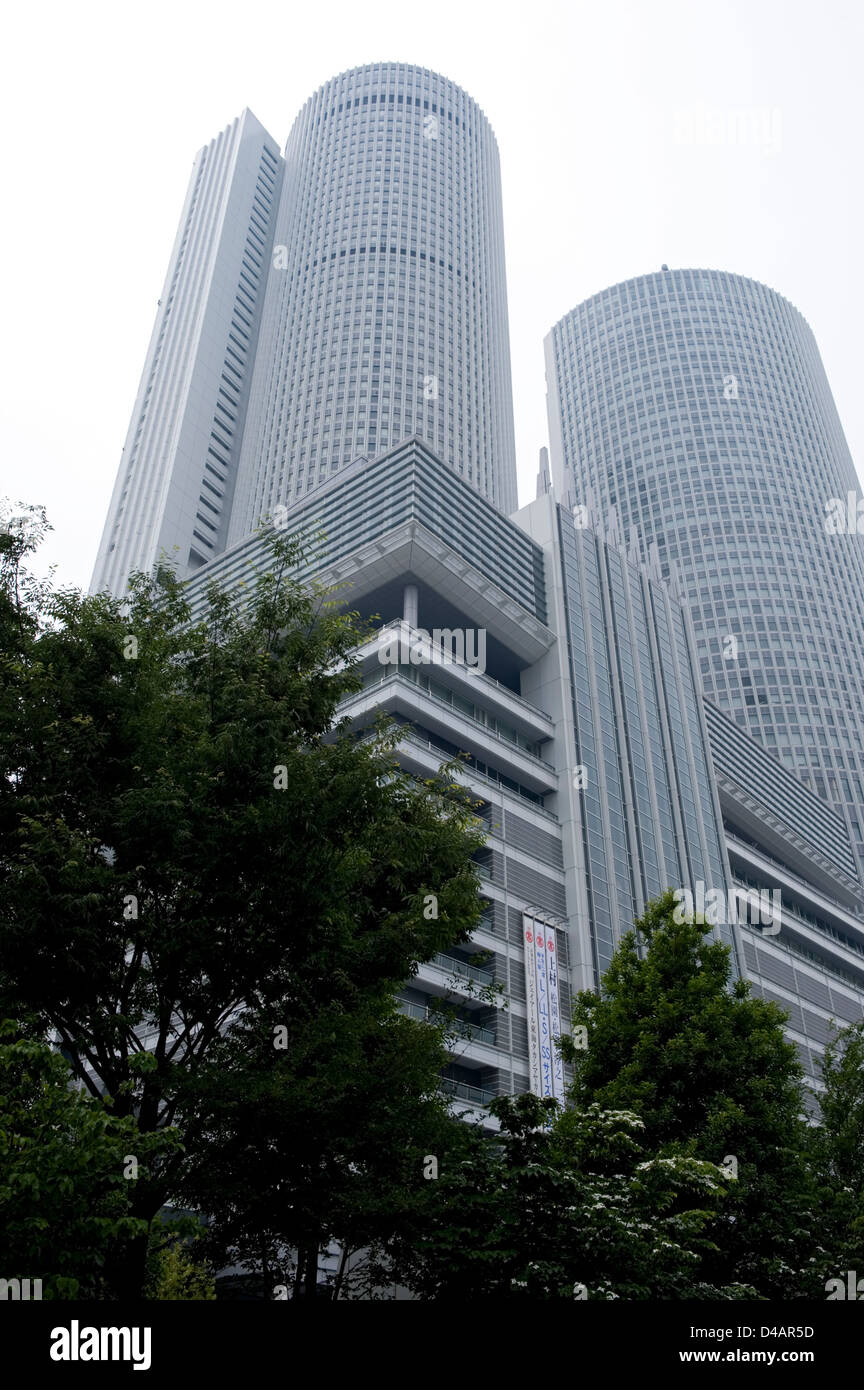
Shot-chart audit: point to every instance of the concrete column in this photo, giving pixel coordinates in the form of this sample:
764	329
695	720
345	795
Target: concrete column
409	604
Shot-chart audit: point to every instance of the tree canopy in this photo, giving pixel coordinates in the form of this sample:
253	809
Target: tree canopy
195	848
708	1069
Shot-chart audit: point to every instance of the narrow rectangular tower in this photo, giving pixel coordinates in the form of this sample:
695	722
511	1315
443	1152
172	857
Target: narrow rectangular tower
174	488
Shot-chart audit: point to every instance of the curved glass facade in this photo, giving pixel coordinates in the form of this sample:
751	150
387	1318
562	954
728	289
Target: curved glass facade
386	311
693	406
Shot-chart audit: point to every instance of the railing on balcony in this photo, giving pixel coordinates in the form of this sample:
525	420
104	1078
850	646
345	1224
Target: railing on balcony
400	625
461	1089
460	967
459	1025
411	737
524	746
790	910
408	734
736	840
487	923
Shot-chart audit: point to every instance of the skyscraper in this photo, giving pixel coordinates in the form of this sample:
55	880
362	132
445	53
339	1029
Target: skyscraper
315	318
175	482
693	406
601	776
343	366
581	731
386	312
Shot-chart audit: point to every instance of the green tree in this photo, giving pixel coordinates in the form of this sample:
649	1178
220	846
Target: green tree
709	1071
66	1179
565	1205
336	1131
172	1272
192	841
839	1152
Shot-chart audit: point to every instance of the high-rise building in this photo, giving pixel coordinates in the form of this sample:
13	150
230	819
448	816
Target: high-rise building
386	312
311	319
643	814
601	775
175	483
693	407
573	701
332	351
785	843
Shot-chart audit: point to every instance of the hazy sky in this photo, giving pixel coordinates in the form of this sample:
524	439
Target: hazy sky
724	134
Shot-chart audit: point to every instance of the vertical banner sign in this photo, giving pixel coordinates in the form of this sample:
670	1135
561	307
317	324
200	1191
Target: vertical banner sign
543	1028
543	1007
554	1012
529	927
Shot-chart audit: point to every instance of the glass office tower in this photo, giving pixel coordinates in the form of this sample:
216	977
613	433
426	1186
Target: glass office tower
386	311
692	407
317	309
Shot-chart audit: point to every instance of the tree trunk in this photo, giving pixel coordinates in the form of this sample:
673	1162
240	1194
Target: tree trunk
126	1270
312	1270
340	1273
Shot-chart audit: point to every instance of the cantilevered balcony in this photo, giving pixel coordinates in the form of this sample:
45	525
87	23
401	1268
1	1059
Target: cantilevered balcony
462	680
395	693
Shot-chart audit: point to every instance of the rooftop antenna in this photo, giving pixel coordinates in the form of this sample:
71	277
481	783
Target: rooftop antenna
544	482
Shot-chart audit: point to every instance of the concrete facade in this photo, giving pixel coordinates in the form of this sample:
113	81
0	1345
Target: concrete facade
589	668
175	484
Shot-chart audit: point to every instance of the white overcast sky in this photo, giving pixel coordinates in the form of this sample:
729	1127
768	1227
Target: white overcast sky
106	105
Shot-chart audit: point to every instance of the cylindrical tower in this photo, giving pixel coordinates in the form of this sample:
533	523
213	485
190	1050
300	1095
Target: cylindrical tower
694	403
386	310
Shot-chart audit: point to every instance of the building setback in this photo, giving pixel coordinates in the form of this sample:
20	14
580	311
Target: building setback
782	839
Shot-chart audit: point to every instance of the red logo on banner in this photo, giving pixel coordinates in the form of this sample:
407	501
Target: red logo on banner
528	936
551	944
